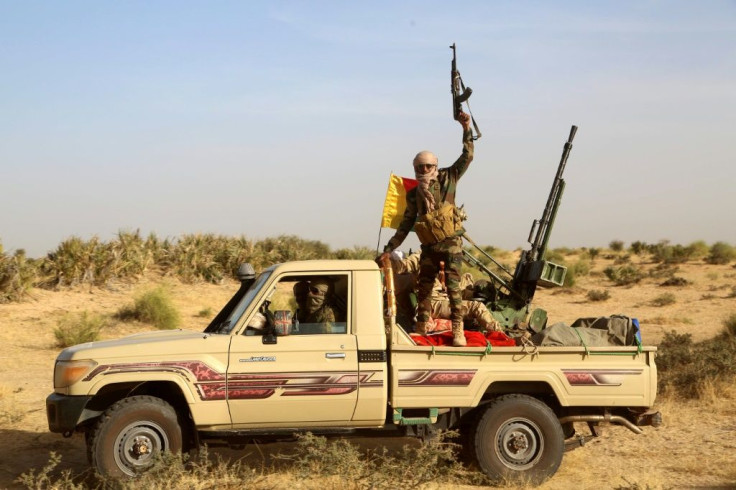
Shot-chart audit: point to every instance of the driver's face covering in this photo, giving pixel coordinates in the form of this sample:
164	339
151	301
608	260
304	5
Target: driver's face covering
316	296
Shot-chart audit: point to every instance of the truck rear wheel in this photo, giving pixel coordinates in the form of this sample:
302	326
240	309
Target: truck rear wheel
132	434
518	439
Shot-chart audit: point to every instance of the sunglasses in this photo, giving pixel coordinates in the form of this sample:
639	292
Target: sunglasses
424	166
316	291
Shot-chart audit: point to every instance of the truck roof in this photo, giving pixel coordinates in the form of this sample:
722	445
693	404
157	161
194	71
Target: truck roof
323	265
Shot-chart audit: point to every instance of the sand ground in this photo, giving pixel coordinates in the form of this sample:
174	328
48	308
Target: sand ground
695	448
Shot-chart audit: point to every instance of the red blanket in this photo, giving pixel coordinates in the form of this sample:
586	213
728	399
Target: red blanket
474	339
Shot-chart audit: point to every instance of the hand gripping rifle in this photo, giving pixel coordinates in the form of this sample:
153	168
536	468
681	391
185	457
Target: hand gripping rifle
458	97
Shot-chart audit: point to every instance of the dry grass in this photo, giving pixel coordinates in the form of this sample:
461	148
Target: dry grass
694	448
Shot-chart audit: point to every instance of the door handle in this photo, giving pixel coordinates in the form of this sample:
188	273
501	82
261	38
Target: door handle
335	355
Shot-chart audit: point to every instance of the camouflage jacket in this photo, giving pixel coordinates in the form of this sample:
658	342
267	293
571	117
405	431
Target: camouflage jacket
443	190
324	315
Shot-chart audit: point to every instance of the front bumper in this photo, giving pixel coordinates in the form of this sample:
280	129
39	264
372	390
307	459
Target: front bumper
64	412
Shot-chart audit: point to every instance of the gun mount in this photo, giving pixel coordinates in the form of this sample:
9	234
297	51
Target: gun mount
509	299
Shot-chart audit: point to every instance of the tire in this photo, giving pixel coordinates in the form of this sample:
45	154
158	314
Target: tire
518	439
131	435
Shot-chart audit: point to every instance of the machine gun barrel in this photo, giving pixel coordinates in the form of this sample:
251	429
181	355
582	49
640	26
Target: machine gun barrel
544	225
470	259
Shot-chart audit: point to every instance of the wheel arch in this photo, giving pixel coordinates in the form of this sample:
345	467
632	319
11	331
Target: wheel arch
166	389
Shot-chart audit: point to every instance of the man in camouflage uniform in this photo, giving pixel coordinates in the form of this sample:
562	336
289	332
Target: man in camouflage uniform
436	187
313	303
474	311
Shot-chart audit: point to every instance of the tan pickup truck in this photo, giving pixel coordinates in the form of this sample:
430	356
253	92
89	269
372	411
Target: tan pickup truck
259	372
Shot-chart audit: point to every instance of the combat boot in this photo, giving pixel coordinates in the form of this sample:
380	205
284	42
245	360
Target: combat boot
458	335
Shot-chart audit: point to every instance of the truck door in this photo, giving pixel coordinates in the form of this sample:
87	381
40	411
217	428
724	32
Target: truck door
309	377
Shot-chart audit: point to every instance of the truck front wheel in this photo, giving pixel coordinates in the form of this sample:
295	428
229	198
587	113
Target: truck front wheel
131	434
518	439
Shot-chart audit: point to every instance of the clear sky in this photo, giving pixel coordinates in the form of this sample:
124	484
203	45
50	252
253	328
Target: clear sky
286	117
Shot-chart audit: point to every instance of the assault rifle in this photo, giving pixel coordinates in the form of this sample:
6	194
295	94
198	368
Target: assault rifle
460	94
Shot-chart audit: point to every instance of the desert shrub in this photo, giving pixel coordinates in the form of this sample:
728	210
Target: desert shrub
638	247
154	307
672	254
624	275
598	295
17	275
729	326
11	411
684	367
76	261
355	253
622	259
675	281
594	252
721	253
663	270
205	312
563	251
664	299
78	328
698	249
616	245
433	462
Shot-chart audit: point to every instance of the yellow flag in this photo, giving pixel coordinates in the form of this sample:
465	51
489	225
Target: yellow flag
395	203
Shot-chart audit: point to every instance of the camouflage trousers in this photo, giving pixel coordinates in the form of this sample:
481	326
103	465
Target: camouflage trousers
429	268
476	313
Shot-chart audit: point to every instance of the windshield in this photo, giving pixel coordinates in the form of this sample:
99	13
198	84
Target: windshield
232	319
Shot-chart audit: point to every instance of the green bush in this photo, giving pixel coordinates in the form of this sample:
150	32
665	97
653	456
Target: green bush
17	275
624	275
683	366
598	295
638	247
721	253
664	299
154	307
78	328
616	245
205	312
675	281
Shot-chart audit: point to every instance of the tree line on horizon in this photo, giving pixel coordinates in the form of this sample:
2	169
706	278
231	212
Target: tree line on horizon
214	258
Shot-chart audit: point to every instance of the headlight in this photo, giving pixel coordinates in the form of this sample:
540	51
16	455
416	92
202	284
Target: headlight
66	373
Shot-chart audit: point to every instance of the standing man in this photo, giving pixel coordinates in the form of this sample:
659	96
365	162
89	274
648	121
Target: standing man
430	210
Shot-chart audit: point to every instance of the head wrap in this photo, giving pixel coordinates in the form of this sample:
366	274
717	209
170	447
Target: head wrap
425	179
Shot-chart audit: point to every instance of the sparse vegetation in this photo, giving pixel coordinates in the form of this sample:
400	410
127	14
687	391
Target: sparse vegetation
205	312
664	300
638	247
685	367
17	275
721	253
624	275
78	328
191	258
675	282
598	295
154	307
616	245
10	411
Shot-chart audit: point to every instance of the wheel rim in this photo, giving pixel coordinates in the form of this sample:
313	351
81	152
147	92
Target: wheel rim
519	444
138	445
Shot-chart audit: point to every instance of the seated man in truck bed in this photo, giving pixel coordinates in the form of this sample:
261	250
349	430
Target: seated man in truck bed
474	312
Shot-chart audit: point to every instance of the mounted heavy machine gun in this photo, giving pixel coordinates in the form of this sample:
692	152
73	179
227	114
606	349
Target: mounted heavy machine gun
509	300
